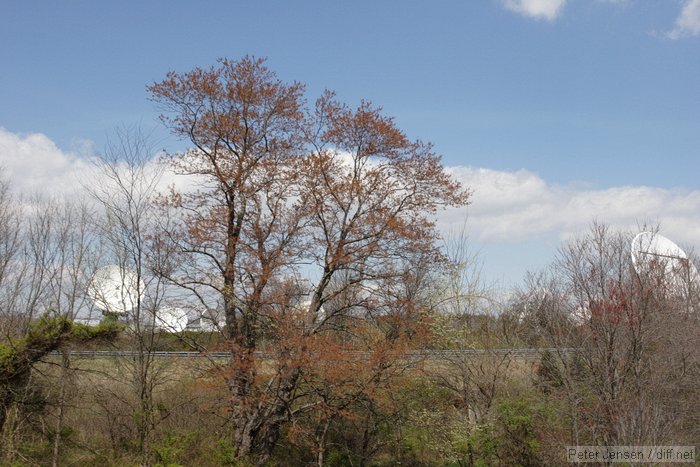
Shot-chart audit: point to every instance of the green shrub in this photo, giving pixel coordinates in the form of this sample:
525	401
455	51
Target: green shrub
171	449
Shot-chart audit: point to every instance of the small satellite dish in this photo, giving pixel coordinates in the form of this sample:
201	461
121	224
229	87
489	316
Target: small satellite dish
307	315
651	251
115	290
172	319
209	321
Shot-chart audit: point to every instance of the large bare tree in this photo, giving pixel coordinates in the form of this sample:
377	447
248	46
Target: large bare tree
282	190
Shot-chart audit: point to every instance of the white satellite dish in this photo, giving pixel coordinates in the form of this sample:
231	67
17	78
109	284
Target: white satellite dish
654	252
172	319
115	290
308	316
209	321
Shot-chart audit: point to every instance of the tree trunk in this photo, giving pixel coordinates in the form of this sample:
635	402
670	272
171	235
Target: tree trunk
321	442
65	368
258	427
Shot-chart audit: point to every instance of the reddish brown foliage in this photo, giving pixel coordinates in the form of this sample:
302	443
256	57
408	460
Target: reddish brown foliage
339	195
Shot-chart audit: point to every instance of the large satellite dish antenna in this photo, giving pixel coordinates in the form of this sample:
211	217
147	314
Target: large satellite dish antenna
171	319
115	290
653	252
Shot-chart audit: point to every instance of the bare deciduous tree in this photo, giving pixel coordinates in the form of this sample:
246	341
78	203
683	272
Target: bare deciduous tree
49	252
283	190
632	354
129	177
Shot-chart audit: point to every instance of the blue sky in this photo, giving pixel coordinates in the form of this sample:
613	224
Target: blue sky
557	112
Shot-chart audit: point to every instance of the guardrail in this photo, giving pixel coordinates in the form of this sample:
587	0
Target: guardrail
523	354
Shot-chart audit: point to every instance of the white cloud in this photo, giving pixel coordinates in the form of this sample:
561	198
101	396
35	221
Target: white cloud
33	163
519	206
539	9
688	21
508	208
